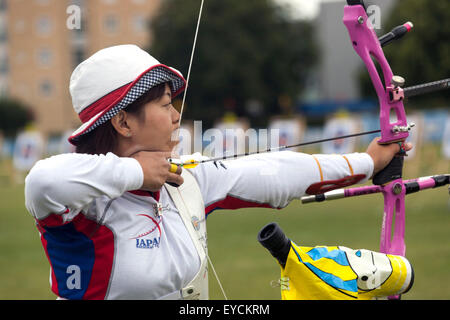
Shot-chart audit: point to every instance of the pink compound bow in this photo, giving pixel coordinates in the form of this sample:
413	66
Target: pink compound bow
390	95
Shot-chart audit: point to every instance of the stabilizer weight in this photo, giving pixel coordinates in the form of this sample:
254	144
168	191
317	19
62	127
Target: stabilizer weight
273	239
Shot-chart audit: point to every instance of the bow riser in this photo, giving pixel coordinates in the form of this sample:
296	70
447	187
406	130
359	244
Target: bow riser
365	43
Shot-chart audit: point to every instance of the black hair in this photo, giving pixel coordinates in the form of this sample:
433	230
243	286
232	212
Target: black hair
103	139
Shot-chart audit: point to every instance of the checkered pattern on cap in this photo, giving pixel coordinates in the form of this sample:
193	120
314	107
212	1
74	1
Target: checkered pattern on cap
149	80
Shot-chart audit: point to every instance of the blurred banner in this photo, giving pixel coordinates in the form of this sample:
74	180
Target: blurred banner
186	138
228	137
434	124
64	146
429	128
28	149
416	135
289	131
7	149
340	125
369	122
232	135
58	144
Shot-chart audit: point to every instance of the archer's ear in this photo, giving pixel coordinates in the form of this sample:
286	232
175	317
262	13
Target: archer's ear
120	123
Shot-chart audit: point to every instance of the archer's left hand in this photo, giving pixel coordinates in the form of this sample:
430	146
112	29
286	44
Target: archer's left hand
383	154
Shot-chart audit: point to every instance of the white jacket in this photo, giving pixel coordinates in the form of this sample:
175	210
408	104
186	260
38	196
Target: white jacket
104	238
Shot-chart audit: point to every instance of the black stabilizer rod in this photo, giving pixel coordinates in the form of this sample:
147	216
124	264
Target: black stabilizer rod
273	239
396	33
356	3
427	88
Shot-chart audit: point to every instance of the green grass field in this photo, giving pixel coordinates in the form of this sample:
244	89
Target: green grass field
245	268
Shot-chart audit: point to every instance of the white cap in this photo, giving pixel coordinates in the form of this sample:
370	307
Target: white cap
113	78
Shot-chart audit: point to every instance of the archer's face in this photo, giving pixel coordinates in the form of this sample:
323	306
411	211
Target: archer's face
156	132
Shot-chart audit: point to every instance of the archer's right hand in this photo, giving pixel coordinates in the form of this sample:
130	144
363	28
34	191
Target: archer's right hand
156	170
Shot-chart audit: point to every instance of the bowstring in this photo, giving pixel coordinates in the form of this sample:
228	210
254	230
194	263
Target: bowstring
190	62
179	124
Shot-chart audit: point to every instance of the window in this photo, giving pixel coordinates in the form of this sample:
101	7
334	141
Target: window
3	6
44	26
139	23
3	31
78	56
4	66
46	88
111	24
44	57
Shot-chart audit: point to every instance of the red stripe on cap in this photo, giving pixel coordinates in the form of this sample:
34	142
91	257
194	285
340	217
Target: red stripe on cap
101	104
111	99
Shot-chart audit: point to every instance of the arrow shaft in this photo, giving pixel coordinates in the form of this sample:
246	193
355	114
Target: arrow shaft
280	148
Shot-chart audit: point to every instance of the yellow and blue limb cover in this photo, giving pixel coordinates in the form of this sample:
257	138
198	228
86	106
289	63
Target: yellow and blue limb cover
340	273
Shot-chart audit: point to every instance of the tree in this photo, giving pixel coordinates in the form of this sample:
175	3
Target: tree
14	116
246	51
423	55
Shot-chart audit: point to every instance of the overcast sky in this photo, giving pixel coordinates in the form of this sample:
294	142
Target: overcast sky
304	8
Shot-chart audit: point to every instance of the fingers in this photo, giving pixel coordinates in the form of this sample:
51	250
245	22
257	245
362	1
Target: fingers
157	169
174	179
406	146
400	147
382	154
175	169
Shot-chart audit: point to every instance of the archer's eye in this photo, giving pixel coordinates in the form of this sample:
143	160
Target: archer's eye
358	253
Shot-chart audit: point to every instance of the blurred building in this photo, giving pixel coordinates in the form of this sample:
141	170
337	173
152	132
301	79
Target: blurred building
42	41
336	77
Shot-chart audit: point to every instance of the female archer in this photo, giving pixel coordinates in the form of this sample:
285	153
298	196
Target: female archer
117	220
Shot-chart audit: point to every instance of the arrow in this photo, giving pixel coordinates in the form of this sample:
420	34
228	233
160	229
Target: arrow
189	164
